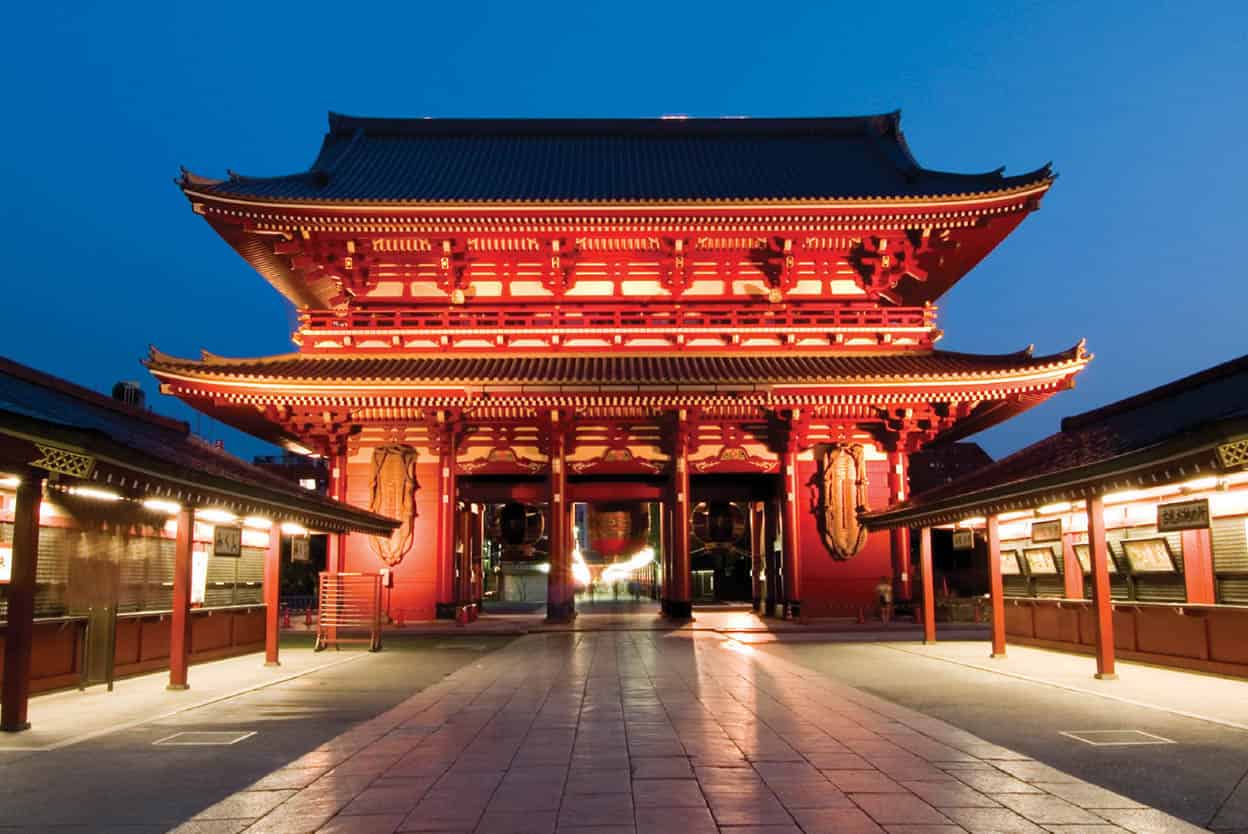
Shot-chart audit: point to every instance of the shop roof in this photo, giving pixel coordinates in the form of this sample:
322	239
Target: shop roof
37	408
1171	428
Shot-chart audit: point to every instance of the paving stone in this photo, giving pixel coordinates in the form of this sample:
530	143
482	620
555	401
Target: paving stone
1046	809
992	821
1088	796
662	768
365	824
245	805
863	781
950	795
898	808
993	782
667	793
835	821
1147	821
675	821
211	827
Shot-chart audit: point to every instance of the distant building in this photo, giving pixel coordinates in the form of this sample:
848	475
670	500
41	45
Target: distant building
938	465
310	473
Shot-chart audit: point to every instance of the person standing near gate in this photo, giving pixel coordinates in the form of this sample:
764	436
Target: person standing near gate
884	597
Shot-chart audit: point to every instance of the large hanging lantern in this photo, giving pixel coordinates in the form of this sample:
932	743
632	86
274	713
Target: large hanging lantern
518	527
718	523
617	528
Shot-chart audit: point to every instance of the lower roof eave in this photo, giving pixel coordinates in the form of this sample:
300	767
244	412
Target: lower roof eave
1189	456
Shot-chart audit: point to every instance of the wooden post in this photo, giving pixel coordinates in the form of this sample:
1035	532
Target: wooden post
899	537
679	598
180	621
1072	572
758	539
1099	553
337	556
272	595
771	524
20	633
996	586
929	585
444	540
560	582
1198	567
791	542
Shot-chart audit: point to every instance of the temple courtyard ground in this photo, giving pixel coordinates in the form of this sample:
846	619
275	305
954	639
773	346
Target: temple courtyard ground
634	730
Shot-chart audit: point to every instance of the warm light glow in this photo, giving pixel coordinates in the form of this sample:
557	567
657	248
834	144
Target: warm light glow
10	481
1125	495
1011	516
1199	484
161	505
308	483
290	528
256	522
542	567
216	516
94	494
620	570
580	570
1050	509
973	522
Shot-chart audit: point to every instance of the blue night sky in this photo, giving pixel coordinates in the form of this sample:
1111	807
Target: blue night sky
1142	110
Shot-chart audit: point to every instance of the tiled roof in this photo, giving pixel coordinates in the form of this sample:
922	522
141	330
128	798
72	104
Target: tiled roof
611	160
600	369
1098	438
107	426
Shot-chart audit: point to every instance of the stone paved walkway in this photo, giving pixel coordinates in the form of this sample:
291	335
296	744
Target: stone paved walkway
649	733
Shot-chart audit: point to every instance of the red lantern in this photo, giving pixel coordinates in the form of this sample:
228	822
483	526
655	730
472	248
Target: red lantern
617	528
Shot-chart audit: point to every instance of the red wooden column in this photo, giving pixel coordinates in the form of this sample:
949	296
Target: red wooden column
1198	567
1099	553
929	585
443	439
272	595
1072	572
996	587
771	591
679	597
180	621
560	583
20	634
899	537
758	538
790	539
337	557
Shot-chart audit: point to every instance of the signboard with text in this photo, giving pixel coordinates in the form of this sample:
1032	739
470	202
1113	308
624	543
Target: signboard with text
1183	515
963	539
299	551
227	541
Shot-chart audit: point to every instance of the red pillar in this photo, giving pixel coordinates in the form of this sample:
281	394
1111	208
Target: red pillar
445	539
1072	572
560	583
757	539
899	537
1198	567
180	621
1099	553
337	556
791	541
272	594
929	585
20	634
678	602
996	587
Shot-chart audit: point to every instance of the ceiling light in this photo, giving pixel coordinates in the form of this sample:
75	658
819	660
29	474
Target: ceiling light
162	505
290	528
94	494
257	522
216	516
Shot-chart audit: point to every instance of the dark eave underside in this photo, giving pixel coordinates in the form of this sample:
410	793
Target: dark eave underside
611	161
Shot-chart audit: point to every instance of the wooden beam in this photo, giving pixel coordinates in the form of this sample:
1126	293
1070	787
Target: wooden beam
272	596
180	620
996	586
929	585
1104	609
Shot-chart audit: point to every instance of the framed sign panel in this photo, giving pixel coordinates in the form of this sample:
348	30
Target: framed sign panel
227	541
1083	552
1047	531
1009	563
1149	555
299	549
963	539
6	564
1040	561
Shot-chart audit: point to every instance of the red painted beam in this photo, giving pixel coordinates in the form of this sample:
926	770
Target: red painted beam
790	539
180	621
20	634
